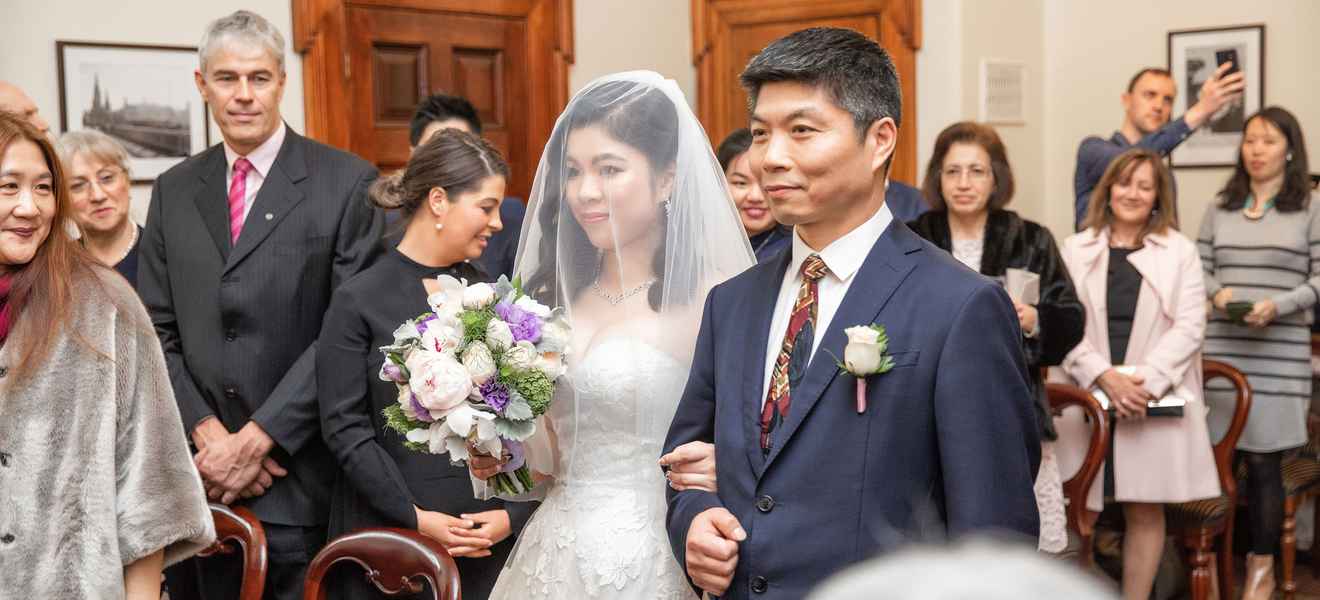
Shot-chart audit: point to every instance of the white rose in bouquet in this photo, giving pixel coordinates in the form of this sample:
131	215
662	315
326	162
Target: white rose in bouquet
521	356
442	334
540	310
448	299
498	335
479	362
555	336
478	296
439	382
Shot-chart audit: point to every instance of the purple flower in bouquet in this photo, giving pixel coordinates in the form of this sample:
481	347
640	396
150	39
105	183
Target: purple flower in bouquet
414	408
517	456
391	372
422	324
495	394
523	324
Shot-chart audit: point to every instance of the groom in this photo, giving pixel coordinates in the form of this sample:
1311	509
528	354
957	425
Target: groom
947	443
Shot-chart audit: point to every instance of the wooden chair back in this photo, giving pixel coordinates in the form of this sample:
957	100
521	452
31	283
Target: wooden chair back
396	561
1075	489
237	529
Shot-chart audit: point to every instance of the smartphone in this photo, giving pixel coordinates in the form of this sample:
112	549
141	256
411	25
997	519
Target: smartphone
1227	56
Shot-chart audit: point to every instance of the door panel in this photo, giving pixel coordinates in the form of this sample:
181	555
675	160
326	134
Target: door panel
728	33
368	63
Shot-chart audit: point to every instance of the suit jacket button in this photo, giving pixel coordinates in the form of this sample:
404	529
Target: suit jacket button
4	459
231	393
759	585
230	335
7	538
765	504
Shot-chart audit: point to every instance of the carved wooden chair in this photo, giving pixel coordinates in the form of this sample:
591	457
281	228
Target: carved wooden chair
396	561
1205	527
1062	396
238	530
1301	480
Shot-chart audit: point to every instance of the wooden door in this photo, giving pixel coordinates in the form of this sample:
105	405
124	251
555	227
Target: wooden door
726	34
364	78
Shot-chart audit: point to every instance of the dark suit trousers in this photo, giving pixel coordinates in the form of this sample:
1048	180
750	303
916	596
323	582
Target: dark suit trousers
290	549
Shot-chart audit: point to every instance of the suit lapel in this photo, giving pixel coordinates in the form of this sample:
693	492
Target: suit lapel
213	200
277	197
885	268
760	313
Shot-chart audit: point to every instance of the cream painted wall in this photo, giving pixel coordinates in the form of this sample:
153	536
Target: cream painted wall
1007	31
1095	47
27	53
624	35
939	74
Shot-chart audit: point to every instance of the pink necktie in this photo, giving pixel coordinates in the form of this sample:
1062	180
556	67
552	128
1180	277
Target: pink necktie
237	198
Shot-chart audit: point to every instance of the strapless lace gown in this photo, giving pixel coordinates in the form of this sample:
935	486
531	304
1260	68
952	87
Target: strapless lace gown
600	531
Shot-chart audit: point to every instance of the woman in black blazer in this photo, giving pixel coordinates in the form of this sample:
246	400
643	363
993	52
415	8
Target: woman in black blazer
449	196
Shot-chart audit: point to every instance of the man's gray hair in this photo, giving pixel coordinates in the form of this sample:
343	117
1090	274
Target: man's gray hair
982	569
242	25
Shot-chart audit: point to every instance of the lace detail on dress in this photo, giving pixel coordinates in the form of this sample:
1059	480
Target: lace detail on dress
600	532
968	252
1049	501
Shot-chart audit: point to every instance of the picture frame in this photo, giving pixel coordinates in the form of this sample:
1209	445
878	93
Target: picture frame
1194	55
143	96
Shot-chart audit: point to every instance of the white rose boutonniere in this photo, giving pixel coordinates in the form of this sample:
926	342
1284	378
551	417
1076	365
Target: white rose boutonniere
865	356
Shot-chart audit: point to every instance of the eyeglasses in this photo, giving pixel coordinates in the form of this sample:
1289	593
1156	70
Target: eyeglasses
105	178
976	173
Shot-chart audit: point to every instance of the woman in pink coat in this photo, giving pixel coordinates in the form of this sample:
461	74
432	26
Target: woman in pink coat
1142	286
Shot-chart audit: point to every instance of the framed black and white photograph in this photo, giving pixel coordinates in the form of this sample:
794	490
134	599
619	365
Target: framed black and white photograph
142	96
1194	55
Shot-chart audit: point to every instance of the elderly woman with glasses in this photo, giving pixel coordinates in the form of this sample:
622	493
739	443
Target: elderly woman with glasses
99	193
968	183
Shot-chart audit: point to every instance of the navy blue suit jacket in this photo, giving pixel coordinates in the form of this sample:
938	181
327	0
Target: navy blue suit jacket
948	443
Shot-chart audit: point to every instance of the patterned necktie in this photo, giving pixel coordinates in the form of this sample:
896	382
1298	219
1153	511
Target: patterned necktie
795	352
238	198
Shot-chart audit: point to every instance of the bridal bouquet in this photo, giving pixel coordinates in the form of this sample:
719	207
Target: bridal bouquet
475	373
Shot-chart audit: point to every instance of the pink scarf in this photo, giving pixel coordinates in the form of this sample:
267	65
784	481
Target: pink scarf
5	282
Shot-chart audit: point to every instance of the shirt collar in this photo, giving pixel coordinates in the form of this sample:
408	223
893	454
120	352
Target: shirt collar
1120	140
845	255
263	158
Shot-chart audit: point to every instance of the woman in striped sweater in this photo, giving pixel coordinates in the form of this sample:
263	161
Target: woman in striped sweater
1260	245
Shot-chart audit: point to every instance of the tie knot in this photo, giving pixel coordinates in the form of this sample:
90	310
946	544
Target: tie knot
241	167
814	268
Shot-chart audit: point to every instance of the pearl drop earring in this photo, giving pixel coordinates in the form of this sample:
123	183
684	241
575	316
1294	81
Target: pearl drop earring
439	226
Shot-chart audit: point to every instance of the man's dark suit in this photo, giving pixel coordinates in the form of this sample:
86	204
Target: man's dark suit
238	325
947	445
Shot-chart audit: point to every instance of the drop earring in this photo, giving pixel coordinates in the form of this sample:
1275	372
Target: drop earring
439	226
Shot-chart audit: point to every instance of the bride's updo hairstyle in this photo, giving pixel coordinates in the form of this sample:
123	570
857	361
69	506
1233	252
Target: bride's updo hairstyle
642	118
453	160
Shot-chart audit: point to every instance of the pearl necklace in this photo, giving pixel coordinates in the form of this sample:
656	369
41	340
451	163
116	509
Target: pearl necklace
132	241
616	299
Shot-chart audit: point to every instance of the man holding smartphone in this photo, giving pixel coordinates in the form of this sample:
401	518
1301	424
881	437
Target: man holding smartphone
1147	106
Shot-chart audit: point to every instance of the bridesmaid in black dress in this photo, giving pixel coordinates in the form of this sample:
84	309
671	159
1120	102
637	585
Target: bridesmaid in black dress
449	196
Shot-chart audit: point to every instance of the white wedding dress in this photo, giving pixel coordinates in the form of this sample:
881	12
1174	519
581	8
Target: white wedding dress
600	532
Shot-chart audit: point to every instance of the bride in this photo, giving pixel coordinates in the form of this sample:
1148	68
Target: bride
629	226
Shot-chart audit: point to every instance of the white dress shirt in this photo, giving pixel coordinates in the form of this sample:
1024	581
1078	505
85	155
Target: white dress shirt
843	257
262	159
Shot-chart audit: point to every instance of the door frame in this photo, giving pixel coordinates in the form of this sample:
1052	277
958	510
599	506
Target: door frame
713	20
320	36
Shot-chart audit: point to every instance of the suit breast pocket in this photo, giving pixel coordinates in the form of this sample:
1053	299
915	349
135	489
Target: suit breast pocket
904	358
